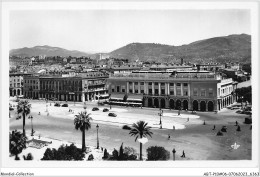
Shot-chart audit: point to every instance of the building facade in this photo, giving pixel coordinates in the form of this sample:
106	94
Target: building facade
31	86
16	84
81	87
188	91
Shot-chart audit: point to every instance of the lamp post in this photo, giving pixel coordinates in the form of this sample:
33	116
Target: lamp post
242	98
85	106
31	117
173	153
160	114
97	137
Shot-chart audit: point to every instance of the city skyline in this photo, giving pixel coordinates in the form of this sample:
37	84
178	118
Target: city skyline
100	27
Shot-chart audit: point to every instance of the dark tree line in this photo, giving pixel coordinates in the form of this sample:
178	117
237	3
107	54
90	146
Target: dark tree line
244	94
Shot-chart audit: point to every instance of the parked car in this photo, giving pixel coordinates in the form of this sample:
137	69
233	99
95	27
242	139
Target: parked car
248	112
248	109
105	110
248	120
57	104
101	103
53	99
240	111
65	105
95	109
112	114
235	108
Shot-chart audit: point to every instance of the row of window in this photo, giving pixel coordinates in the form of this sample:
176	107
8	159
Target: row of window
18	85
30	81
196	92
31	87
14	80
224	91
157	83
202	92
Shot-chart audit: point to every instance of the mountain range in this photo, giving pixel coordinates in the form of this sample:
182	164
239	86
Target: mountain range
232	48
46	50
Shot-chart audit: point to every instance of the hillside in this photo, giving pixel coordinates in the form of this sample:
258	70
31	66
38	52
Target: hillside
46	50
232	48
218	49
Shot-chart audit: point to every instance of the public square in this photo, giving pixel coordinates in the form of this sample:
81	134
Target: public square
190	135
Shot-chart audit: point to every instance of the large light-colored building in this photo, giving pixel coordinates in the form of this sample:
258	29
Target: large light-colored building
81	87
189	90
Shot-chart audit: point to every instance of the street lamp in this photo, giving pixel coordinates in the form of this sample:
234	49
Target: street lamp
160	114
85	106
110	102
242	101
97	137
31	117
173	153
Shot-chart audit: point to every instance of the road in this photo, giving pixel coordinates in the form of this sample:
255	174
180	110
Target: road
198	141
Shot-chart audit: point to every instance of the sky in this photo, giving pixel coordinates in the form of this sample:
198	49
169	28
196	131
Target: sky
107	30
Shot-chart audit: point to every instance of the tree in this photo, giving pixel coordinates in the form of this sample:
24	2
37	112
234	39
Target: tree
127	153
17	143
157	153
28	157
23	108
245	93
105	154
82	122
70	152
121	153
140	129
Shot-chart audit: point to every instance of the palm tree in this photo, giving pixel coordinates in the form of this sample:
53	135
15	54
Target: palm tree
23	108
82	122
17	143
140	129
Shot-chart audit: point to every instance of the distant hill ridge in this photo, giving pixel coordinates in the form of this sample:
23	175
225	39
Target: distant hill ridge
218	49
46	50
233	48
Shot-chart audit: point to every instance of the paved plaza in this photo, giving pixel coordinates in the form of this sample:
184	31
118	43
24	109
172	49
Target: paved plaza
197	140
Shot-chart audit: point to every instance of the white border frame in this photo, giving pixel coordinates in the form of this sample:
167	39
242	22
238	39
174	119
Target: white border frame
162	168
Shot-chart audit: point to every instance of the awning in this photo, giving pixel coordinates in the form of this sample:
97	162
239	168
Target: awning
135	97
118	96
104	95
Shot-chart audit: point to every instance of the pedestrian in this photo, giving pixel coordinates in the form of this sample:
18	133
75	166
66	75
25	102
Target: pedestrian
236	123
173	127
48	114
183	154
238	128
214	127
204	123
169	137
188	119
